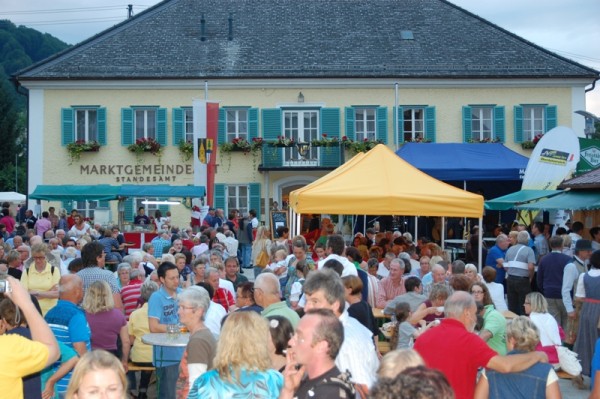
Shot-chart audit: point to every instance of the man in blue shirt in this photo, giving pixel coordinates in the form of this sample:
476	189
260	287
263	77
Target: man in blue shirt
162	311
495	258
67	321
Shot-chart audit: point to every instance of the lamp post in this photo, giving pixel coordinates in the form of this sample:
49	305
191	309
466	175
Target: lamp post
590	121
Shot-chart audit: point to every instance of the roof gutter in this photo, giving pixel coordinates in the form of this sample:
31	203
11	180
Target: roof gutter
593	85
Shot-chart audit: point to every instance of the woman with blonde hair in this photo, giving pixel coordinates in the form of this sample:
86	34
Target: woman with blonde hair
106	323
537	381
261	243
98	374
396	361
241	370
536	307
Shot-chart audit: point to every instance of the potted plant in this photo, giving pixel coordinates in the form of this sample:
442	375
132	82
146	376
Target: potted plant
485	140
239	144
145	145
282	141
359	146
186	150
418	139
325	142
76	148
529	144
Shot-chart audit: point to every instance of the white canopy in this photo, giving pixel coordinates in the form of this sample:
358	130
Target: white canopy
11	196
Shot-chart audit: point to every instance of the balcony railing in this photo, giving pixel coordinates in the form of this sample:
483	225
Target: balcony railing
299	157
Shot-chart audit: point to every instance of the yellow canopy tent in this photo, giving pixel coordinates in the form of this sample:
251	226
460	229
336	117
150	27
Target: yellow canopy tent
381	183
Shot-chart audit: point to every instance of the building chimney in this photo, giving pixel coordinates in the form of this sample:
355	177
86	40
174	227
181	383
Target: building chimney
129	10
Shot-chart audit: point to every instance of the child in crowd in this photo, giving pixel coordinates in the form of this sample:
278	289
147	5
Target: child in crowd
319	252
297	288
279	267
404	334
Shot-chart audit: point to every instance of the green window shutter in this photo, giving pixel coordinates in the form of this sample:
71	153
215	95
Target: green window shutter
68	125
161	126
399	122
430	124
102	126
219	200
126	126
221	135
382	124
499	128
330	122
551	117
255	198
178	125
68	205
252	123
518	110
467	119
271	123
350	119
128	211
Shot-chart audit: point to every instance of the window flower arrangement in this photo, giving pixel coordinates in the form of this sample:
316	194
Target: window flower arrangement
529	144
76	148
359	146
243	145
485	140
418	139
282	141
145	145
325	142
186	149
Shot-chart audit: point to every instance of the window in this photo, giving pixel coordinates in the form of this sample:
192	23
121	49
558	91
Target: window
188	124
236	122
145	124
150	208
482	123
301	126
86	208
414	123
365	124
86	124
533	121
238	197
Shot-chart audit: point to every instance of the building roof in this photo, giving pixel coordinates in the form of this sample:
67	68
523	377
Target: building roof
305	38
589	180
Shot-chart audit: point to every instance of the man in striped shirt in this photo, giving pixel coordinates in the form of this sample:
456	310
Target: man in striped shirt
130	294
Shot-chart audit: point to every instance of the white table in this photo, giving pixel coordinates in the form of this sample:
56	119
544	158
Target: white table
455	242
163	339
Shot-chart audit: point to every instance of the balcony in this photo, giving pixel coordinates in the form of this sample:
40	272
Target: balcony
299	157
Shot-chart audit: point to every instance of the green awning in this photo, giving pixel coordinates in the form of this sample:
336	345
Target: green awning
512	200
99	192
106	192
161	191
569	200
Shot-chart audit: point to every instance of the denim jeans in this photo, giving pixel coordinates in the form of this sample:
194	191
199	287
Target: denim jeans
167	381
246	254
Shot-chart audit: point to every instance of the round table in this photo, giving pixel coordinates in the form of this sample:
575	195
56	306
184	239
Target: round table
164	339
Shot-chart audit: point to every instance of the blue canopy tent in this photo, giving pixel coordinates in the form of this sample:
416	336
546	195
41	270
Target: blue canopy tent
465	161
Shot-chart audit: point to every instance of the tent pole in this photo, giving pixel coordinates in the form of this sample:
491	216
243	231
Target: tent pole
416	237
480	239
298	223
364	225
443	238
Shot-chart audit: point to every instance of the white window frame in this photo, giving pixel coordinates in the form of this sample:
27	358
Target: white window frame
148	133
236	124
90	129
479	131
530	119
86	208
368	116
412	121
301	133
188	124
235	198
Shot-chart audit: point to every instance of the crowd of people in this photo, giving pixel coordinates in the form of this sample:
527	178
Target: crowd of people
303	325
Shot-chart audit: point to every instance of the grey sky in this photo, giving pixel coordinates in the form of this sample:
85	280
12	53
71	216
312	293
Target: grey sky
569	28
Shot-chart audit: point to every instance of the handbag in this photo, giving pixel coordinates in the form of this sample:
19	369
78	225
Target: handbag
568	360
262	259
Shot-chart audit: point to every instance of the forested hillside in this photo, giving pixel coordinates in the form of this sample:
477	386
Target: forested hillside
19	47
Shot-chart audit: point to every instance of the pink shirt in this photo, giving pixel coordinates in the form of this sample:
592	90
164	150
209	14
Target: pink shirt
42	225
388	291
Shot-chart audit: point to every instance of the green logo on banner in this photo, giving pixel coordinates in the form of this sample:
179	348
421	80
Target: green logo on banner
590	155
